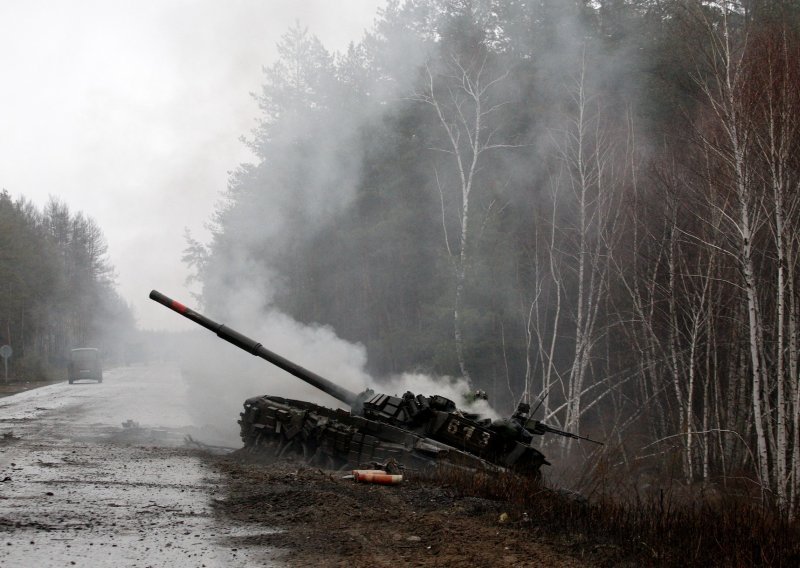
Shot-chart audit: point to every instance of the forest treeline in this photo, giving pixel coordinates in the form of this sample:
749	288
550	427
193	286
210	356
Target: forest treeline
56	288
596	201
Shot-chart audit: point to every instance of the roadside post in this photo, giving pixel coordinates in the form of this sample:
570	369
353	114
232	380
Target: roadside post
5	353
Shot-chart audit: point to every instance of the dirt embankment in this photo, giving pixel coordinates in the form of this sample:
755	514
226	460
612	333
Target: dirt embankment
324	520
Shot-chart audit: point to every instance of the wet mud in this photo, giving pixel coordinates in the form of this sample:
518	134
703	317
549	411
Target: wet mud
325	520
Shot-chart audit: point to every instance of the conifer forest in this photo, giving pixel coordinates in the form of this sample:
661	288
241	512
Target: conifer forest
56	288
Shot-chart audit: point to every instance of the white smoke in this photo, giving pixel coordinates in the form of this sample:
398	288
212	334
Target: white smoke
456	389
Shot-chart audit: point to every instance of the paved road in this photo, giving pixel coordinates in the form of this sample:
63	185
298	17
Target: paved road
100	475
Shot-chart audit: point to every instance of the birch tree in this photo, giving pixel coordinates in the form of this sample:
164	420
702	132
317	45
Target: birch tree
775	80
752	136
463	93
590	179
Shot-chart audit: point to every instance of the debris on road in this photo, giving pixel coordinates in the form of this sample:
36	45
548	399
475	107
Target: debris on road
91	490
378	476
191	442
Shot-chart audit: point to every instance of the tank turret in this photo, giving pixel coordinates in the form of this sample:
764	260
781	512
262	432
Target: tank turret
415	430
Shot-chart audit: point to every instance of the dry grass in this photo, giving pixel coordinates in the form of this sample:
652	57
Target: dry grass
664	528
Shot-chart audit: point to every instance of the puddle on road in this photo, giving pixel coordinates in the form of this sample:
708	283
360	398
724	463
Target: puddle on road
111	496
102	476
127	551
132	506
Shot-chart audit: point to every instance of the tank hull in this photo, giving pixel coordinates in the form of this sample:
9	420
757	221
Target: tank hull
337	439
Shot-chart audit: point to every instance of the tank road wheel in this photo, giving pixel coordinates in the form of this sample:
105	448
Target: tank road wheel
291	446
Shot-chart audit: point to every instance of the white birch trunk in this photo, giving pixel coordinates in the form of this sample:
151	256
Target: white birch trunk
794	371
467	140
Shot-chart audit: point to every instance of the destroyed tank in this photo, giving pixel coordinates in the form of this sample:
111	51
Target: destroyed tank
414	431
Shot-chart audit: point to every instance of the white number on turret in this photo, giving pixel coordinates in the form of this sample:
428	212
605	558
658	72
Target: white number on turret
467	433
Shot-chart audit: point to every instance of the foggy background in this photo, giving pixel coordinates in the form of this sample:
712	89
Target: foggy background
131	112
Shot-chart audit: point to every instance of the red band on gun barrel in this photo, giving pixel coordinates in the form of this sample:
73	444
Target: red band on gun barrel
178	307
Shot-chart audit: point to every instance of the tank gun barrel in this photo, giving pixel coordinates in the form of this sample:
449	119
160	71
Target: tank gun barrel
255	348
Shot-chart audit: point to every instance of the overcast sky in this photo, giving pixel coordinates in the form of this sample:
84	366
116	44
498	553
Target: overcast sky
131	112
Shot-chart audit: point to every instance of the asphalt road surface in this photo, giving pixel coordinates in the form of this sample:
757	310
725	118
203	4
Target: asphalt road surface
101	475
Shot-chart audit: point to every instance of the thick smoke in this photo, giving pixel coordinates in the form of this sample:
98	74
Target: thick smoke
449	387
240	291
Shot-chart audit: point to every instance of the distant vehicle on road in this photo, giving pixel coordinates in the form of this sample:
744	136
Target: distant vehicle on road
84	363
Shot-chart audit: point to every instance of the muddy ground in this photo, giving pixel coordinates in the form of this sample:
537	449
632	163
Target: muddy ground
325	520
111	475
